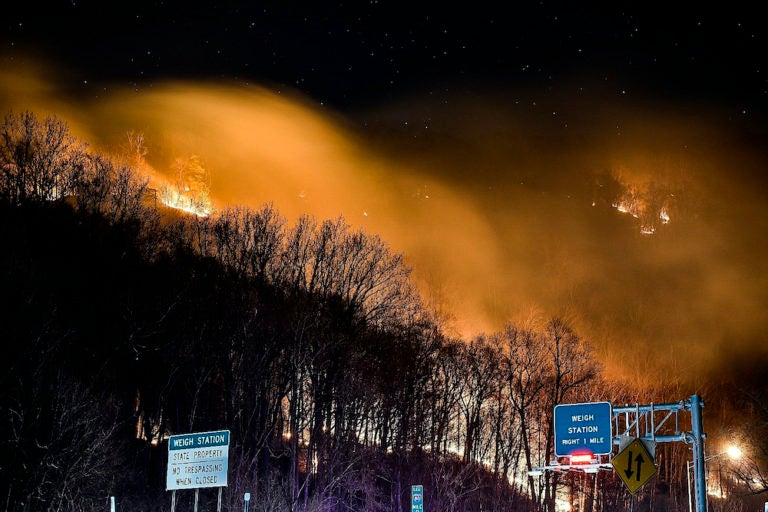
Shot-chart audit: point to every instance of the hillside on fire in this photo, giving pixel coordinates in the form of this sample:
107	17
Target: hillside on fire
131	312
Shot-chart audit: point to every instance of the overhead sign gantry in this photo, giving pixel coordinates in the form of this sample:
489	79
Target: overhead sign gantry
653	423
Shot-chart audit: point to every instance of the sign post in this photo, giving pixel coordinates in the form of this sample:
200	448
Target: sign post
583	429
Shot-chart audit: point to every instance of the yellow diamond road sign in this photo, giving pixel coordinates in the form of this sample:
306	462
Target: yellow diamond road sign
634	465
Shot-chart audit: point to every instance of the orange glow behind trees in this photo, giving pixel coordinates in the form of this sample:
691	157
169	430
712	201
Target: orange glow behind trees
502	215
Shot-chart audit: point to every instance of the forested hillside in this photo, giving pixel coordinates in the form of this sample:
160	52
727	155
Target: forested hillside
125	321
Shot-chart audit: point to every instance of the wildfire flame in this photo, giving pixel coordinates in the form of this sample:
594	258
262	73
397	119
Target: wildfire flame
195	203
630	205
191	192
636	204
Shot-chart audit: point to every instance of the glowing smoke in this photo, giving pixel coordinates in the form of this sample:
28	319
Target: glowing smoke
500	208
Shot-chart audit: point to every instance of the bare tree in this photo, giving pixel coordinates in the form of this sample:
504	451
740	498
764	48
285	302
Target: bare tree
111	189
571	367
295	270
65	445
525	371
445	385
37	158
136	148
480	364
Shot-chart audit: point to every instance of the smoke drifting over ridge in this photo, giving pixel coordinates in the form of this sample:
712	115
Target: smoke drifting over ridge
502	204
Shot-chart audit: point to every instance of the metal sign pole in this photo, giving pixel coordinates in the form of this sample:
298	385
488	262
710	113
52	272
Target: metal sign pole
688	475
173	501
218	505
197	495
698	454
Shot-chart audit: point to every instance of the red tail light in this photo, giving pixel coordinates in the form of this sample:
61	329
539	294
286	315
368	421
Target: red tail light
583	458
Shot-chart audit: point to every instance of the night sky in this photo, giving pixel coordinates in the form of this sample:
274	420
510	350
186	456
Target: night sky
495	149
361	53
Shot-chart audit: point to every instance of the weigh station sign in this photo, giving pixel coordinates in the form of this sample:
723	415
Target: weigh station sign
197	460
582	429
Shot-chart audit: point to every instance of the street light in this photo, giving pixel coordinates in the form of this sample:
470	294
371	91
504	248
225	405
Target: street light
734	452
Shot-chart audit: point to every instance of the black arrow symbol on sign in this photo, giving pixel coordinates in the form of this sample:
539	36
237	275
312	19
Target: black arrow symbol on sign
629	471
639	459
